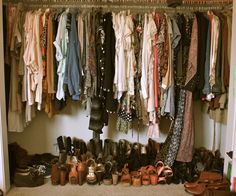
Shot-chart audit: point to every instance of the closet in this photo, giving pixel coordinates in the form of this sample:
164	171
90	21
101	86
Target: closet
40	135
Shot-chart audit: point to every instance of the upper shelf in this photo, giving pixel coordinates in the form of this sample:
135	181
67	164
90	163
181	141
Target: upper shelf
190	5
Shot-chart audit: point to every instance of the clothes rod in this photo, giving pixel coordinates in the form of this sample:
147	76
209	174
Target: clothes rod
141	7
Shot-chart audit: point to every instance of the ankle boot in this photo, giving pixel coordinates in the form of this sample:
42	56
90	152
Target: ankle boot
68	145
60	144
107	147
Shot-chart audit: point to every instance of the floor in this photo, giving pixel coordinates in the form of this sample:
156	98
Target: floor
89	190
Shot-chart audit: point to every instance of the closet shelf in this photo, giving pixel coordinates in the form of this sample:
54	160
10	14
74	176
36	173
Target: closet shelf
138	5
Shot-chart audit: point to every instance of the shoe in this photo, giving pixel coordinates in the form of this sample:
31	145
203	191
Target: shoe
91	146
145	175
99	171
114	150
83	147
115	178
28	177
73	175
136	178
134	158
122	159
107	147
98	147
125	177
153	175
63	174
68	145
60	144
144	157
81	170
152	149
200	188
62	157
107	178
55	174
206	177
91	176
165	173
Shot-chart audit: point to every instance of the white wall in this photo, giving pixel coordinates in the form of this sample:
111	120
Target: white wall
40	136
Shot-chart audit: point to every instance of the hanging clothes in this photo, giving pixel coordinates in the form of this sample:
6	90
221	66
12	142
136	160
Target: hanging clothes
73	65
15	112
61	45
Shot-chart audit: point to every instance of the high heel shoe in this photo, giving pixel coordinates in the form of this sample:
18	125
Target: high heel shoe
107	180
153	175
81	170
125	177
145	175
91	176
100	169
73	175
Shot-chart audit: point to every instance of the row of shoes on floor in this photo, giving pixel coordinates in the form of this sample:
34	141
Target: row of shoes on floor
108	163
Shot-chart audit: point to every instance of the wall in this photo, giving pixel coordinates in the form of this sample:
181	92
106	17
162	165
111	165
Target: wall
40	136
4	168
231	134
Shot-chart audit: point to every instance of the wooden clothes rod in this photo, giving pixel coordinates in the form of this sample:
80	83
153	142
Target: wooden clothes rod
139	5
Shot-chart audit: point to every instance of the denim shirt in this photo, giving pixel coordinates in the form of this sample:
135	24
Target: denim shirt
73	73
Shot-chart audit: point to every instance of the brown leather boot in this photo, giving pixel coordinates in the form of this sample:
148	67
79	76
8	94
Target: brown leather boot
55	174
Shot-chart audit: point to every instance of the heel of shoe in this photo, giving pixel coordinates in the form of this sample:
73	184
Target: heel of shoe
80	177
